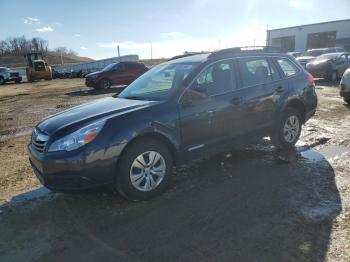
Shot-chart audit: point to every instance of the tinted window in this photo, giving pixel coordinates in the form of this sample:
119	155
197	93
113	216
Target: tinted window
256	71
216	79
287	67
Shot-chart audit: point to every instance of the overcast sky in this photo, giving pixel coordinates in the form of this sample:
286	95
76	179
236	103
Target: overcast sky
95	28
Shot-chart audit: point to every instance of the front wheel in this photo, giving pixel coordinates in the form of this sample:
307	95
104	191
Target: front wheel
287	132
105	84
144	170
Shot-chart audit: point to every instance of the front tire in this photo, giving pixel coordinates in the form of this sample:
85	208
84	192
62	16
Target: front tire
287	132
144	170
105	84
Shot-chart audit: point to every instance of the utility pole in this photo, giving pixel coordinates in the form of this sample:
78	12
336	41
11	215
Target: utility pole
219	44
61	58
151	51
118	50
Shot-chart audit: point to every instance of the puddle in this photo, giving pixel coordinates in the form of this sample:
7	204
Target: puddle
312	155
26	196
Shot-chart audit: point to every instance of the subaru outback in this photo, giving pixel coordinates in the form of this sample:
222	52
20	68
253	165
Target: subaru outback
180	110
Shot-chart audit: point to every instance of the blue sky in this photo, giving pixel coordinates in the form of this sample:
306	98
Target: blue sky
95	28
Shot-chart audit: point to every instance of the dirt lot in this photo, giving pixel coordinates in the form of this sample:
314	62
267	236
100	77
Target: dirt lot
251	204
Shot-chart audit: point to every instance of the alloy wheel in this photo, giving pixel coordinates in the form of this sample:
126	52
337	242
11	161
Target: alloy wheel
291	129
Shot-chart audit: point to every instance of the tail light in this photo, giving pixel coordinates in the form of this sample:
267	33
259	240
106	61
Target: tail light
310	79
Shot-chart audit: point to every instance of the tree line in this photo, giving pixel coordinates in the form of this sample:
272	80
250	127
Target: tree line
16	46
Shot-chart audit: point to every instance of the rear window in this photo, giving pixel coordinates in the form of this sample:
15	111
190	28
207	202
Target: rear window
288	68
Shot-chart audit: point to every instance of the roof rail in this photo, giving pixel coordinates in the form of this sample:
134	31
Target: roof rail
245	49
186	55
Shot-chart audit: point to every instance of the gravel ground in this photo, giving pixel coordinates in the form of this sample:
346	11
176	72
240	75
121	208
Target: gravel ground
251	204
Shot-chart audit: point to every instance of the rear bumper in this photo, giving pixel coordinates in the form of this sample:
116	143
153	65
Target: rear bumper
67	172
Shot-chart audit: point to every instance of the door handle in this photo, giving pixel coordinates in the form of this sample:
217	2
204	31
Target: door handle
280	89
236	100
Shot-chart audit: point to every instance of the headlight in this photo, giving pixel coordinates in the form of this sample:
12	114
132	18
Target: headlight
77	139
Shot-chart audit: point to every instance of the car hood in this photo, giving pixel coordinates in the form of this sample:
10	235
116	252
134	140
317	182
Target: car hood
94	73
89	112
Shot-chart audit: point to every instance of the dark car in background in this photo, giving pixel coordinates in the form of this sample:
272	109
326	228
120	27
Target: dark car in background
329	66
9	75
181	110
311	54
122	73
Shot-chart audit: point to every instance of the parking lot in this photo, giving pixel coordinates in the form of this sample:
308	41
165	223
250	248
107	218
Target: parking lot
252	204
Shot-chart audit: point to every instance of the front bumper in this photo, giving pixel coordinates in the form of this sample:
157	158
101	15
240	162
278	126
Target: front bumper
69	171
15	78
91	82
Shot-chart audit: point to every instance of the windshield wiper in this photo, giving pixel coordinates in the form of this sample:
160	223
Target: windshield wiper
133	97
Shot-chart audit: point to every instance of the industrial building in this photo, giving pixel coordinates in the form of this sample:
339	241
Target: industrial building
304	37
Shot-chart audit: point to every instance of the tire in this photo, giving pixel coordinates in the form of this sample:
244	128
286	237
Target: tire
347	100
104	84
2	81
333	76
287	131
18	81
144	178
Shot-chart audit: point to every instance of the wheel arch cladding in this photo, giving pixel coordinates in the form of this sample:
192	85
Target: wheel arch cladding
156	136
298	105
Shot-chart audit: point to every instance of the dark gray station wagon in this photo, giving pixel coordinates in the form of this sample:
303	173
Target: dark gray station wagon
180	110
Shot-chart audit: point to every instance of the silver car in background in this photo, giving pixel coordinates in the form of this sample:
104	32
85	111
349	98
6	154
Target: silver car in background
345	86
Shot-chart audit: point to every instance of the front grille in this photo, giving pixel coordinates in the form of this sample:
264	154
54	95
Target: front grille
14	74
39	66
39	140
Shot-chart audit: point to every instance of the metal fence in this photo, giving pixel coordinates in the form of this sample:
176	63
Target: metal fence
94	66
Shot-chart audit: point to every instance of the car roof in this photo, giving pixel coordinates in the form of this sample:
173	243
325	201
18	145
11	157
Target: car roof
223	54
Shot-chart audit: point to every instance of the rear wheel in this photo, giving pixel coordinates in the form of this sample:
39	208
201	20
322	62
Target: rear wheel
2	80
333	76
144	170
18	81
287	132
105	84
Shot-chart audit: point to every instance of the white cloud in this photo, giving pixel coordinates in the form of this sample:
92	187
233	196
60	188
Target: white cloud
254	33
58	23
83	48
172	35
44	29
300	4
77	35
31	20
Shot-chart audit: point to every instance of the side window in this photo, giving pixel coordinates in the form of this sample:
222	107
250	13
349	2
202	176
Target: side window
288	68
216	79
256	71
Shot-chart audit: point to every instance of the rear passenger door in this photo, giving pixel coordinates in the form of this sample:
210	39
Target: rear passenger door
261	87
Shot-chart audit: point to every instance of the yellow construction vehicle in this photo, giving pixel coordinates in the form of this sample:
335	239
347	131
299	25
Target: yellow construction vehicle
37	68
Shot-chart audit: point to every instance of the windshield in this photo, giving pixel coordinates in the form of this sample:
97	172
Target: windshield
109	67
157	83
314	53
328	56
